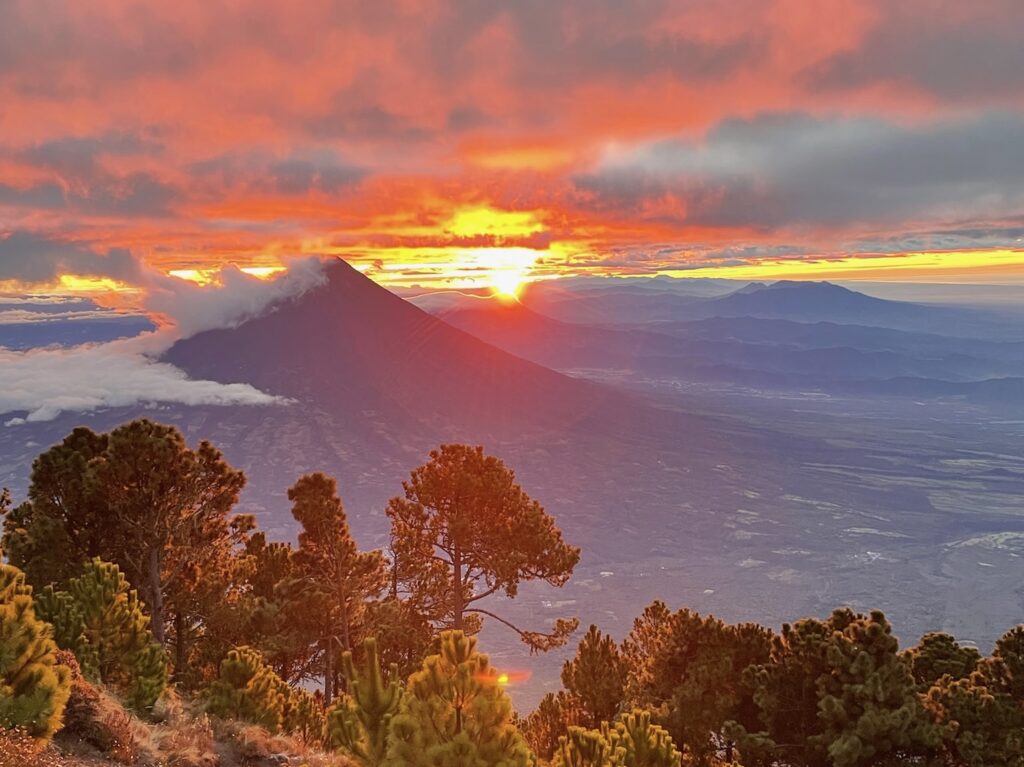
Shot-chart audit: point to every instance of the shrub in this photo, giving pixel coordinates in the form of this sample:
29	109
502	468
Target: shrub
359	723
33	688
248	690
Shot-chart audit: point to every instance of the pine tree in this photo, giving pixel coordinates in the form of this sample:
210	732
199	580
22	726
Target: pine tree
980	727
63	523
33	688
632	741
116	633
837	693
868	701
359	723
1004	671
271	612
336	577
170	507
581	747
939	654
689	669
60	610
464	531
455	712
596	678
550	721
403	634
304	715
248	690
138	497
645	744
642	647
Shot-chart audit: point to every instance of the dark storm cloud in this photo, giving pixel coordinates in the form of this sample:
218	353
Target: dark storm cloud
32	258
581	40
955	50
301	172
776	171
78	156
135	195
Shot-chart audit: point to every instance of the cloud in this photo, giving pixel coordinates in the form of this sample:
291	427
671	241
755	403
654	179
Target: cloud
31	317
301	172
39	384
954	51
780	171
28	257
43	383
366	125
187	308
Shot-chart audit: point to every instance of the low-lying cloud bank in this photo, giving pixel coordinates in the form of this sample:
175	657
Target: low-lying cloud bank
43	383
40	384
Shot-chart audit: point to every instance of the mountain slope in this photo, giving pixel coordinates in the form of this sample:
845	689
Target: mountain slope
358	350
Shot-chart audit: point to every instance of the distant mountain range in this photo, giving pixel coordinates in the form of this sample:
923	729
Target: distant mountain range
786	300
764	353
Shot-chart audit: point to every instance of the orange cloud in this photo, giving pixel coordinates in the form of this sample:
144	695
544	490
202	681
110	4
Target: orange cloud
630	137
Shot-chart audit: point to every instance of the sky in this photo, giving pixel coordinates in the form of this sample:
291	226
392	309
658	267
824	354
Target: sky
484	142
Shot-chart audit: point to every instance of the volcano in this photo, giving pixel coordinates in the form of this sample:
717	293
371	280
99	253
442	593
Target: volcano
357	350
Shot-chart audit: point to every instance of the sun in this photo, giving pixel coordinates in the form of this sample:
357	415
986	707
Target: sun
507	284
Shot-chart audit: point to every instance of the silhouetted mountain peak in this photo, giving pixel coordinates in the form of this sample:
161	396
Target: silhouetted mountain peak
352	346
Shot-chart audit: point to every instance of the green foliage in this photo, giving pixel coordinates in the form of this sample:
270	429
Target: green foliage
937	655
979	727
404	635
1004	671
60	610
633	741
836	692
359	723
455	713
465	530
248	690
33	688
303	715
165	502
581	747
335	579
551	720
645	744
63	522
269	610
138	497
689	669
596	678
115	639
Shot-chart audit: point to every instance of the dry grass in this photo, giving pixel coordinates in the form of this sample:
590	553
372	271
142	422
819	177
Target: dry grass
19	750
248	744
99	732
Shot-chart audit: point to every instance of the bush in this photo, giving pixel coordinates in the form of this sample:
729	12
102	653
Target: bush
248	690
359	723
100	619
33	688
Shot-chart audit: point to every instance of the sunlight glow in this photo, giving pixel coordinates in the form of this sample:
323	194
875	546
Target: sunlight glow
71	283
484	220
937	266
211	276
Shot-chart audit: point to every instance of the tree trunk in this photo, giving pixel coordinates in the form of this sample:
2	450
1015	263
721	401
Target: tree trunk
457	606
156	597
180	646
328	673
